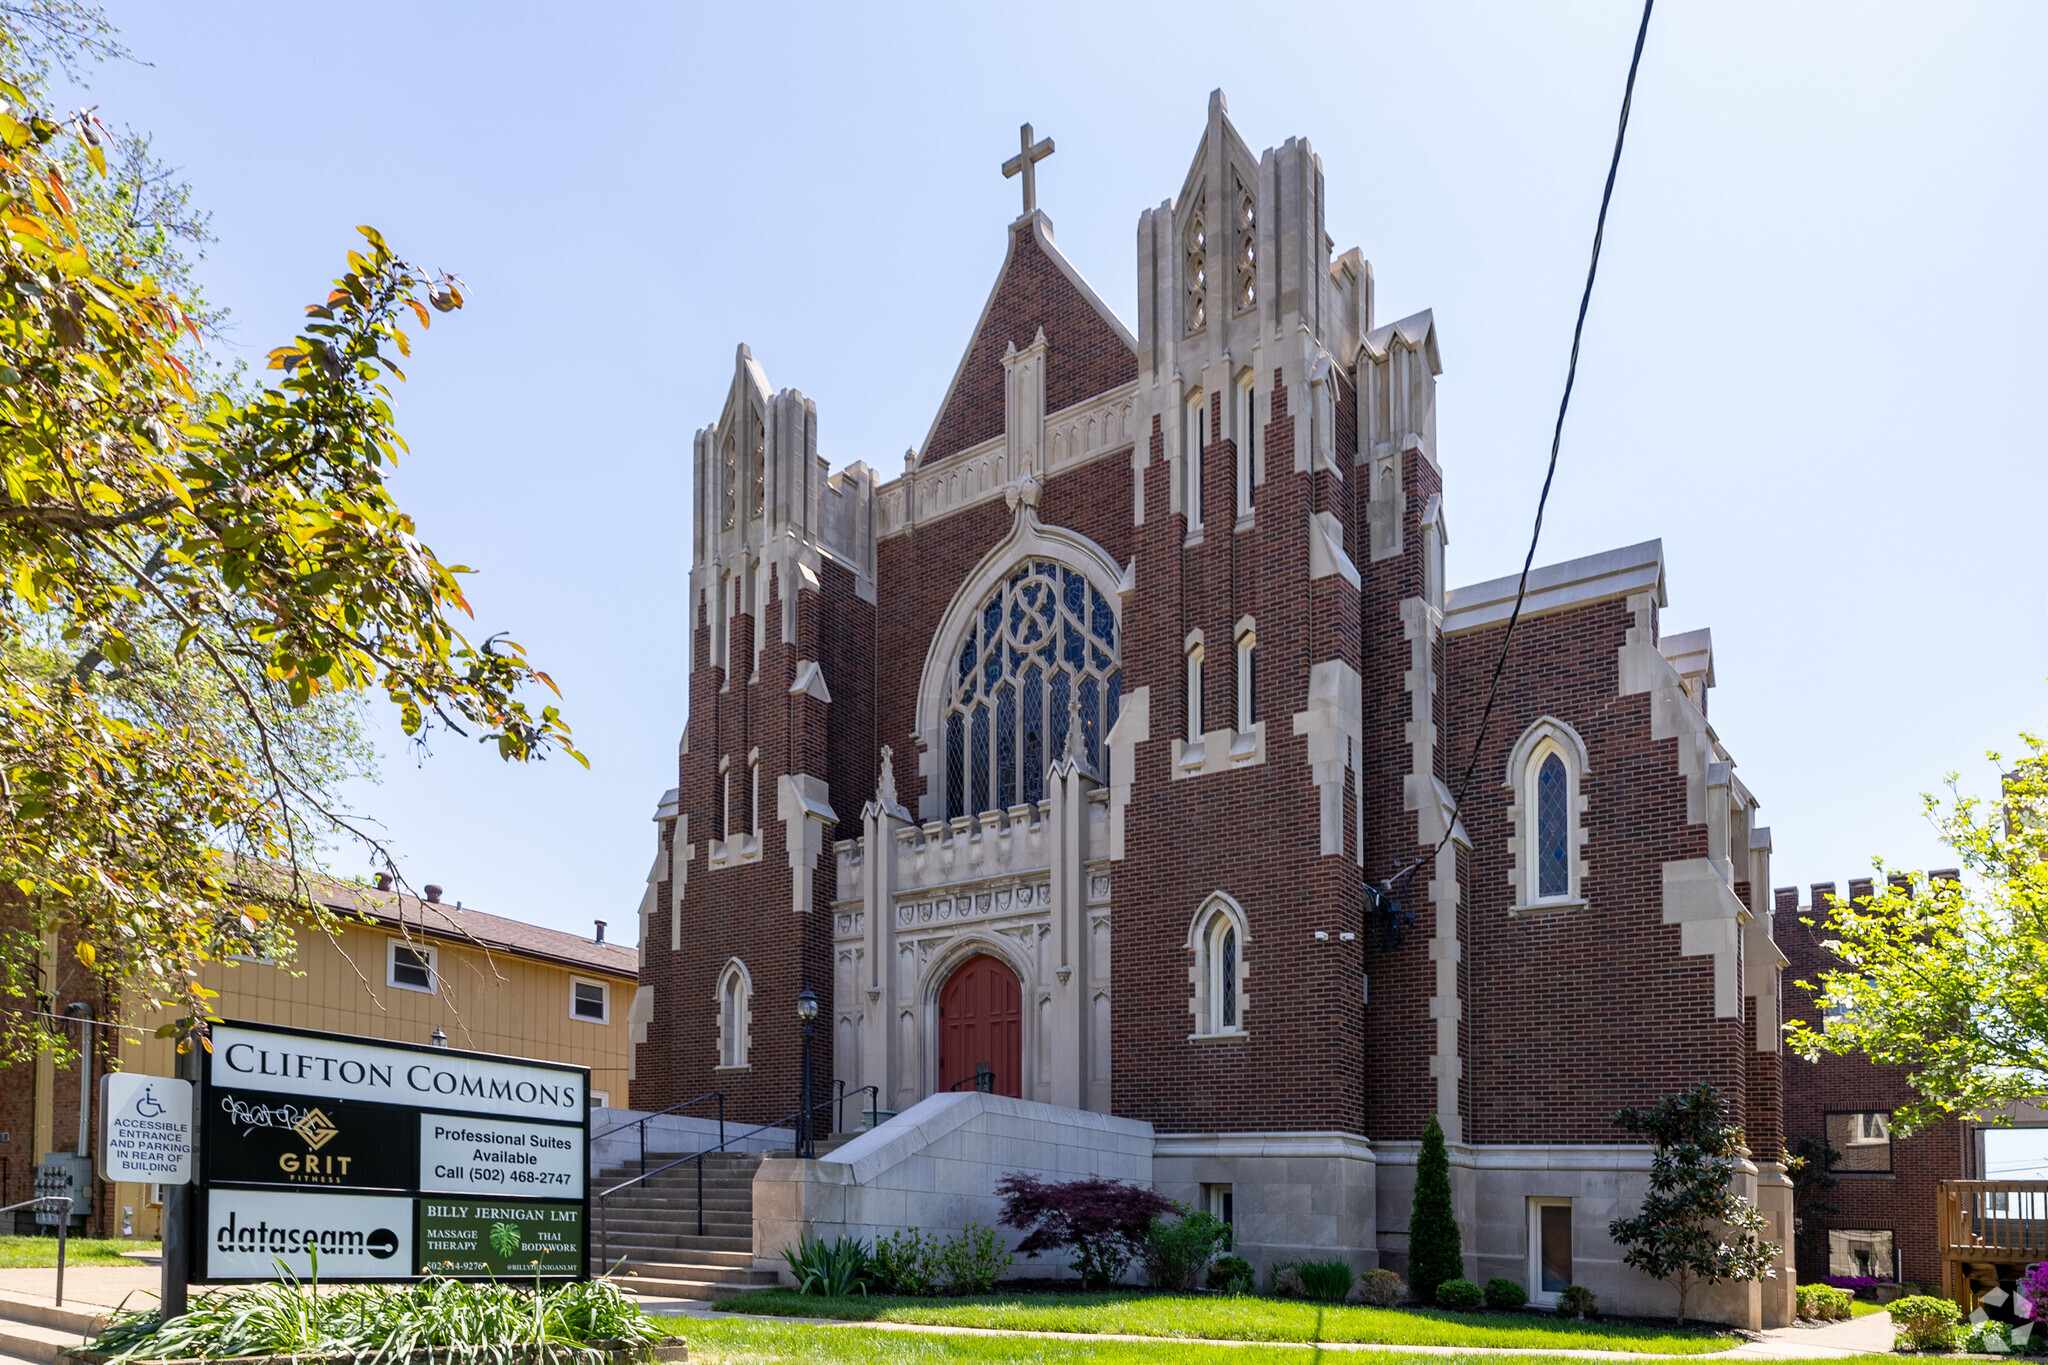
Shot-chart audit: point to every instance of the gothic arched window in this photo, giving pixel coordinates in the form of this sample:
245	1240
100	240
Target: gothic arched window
1246	255
1553	822
1044	642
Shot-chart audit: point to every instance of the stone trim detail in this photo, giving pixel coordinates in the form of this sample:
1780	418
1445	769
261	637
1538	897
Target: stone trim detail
1216	905
1133	727
1332	724
803	804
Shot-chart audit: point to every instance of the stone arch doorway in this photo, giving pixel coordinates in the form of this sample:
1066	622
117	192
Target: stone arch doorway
981	1023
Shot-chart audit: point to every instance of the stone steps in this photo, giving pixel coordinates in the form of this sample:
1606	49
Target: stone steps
40	1332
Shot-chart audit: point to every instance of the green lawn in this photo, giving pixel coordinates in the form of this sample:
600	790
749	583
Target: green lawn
1861	1308
1239	1319
20	1252
773	1343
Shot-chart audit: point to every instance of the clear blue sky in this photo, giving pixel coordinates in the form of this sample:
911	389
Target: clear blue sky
1805	369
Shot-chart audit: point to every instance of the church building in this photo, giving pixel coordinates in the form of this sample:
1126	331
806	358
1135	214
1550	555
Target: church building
1109	757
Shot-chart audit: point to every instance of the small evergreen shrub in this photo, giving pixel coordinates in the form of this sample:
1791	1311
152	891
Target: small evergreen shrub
1381	1289
1102	1223
1178	1250
973	1259
1435	1253
1577	1301
1460	1296
906	1262
1505	1296
1822	1302
1232	1275
1925	1321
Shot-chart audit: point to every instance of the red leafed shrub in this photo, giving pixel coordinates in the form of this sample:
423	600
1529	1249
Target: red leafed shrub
1102	1221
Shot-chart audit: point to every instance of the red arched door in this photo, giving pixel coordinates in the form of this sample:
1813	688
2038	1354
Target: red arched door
981	1023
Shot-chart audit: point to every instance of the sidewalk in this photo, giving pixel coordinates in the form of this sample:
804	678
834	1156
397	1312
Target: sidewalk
97	1286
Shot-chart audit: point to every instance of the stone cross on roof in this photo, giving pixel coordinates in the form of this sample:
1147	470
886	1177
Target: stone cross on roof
1029	154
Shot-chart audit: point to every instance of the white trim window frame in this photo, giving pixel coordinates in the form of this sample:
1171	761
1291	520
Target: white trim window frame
1217	940
1194	419
1247	678
425	959
735	1005
577	999
1547	812
1538	1295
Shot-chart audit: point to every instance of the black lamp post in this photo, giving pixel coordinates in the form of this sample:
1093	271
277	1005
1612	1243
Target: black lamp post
807	1011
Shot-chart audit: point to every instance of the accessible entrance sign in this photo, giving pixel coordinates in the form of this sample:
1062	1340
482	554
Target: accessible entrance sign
145	1129
386	1161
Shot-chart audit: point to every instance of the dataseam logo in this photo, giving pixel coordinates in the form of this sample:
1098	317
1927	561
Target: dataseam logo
354	1236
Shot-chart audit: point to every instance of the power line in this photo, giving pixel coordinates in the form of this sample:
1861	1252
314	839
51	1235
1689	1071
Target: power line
1556	440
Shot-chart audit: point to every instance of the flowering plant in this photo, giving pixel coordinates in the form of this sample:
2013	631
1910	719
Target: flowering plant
2033	1287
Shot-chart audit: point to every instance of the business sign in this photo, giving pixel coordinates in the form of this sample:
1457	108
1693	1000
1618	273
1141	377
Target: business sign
262	1139
464	1154
145	1128
500	1237
328	1066
258	1234
362	1153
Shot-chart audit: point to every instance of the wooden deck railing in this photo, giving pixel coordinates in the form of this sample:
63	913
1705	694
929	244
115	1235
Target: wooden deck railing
1994	1222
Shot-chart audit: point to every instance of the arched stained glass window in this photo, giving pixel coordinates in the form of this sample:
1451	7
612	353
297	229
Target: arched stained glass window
1553	824
1226	979
1045	638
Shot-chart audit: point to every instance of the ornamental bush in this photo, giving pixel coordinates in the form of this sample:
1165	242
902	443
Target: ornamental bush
1461	1296
1577	1301
1505	1296
973	1259
1381	1289
1232	1275
906	1262
1822	1302
1101	1222
1925	1321
1178	1250
1326	1281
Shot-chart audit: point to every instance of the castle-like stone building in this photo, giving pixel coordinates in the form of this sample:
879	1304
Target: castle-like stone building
1108	757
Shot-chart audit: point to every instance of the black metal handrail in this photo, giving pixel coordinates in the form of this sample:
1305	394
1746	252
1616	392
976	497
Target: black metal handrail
63	1224
604	1220
642	1121
983	1080
874	1105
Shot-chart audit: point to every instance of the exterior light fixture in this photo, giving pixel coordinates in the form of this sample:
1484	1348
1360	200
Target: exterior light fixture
807	1012
438	1038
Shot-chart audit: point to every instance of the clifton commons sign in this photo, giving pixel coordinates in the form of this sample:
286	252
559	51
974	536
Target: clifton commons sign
386	1161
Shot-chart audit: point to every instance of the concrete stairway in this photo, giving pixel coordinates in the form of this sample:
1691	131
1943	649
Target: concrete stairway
39	1332
646	1236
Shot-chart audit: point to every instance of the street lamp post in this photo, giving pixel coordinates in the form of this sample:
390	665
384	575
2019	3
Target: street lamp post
807	1011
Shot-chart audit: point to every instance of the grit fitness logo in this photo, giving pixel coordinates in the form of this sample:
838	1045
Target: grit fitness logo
284	1240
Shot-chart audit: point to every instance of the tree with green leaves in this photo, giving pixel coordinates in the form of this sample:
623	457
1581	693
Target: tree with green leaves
1435	1251
1947	977
198	579
1694	1228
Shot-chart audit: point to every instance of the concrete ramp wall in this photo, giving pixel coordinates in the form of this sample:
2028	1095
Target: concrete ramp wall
935	1167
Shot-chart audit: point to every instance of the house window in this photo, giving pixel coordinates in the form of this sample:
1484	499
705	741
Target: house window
600	1099
590	1000
1550	1249
1864	1139
1194	692
410	966
735	1014
1043	646
1218	1203
1194	430
1860	1251
1247	680
1217	940
1247	441
1545	771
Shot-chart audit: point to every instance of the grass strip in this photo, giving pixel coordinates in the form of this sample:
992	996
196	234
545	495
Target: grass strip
1239	1319
28	1253
732	1342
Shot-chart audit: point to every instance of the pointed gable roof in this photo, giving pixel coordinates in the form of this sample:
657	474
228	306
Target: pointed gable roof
1090	351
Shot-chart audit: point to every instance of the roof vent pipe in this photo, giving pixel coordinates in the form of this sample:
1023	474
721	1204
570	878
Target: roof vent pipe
600	931
433	893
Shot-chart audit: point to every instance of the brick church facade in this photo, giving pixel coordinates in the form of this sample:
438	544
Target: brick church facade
1063	763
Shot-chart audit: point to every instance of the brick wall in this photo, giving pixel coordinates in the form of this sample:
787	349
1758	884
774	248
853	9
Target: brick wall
1903	1200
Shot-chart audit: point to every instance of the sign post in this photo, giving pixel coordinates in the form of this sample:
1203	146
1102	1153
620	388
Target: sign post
177	1215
